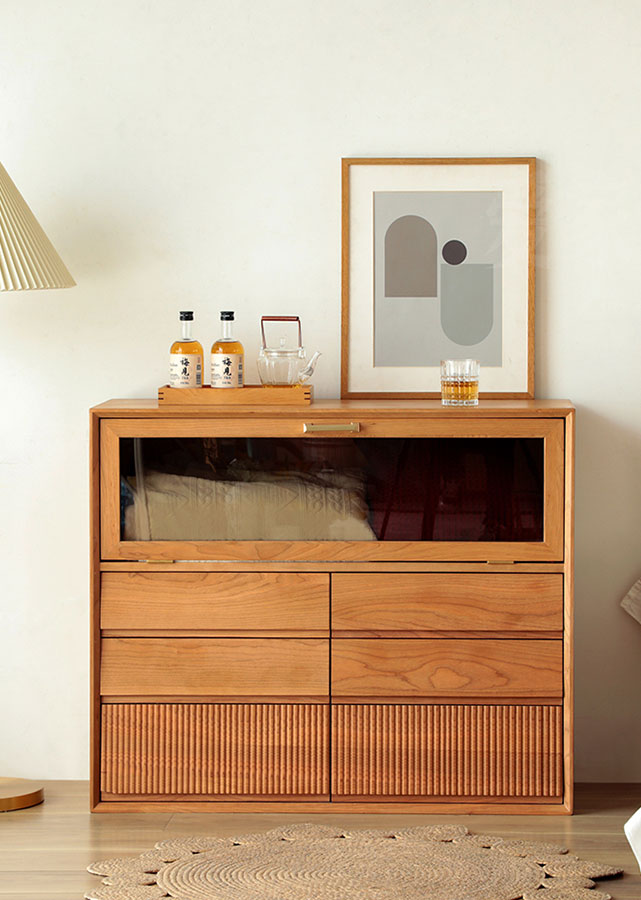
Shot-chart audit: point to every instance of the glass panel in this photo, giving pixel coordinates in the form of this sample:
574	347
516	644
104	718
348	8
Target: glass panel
332	489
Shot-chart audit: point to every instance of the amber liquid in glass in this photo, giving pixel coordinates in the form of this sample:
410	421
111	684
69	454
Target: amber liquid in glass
459	392
227	359
181	371
182	346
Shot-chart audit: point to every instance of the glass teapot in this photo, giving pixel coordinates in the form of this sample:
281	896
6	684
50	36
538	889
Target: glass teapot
284	365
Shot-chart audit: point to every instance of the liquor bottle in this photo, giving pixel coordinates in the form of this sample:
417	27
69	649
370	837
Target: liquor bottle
227	356
186	358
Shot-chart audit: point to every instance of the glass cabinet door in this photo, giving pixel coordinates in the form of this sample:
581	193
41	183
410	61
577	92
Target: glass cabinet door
398	490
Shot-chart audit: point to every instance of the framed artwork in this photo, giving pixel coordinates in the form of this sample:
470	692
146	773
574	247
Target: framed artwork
437	263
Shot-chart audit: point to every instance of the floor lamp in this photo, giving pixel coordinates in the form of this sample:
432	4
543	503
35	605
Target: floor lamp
28	262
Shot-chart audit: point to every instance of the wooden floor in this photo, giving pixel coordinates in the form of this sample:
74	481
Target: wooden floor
44	850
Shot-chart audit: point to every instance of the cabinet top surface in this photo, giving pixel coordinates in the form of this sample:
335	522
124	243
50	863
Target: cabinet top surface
321	408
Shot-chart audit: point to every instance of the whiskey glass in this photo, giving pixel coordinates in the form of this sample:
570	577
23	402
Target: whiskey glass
460	382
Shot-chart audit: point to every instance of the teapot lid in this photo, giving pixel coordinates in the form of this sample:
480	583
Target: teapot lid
281	350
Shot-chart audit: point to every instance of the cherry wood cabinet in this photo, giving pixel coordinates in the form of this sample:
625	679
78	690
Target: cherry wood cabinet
371	614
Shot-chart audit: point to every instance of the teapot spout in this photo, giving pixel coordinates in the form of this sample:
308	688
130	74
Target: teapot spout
305	374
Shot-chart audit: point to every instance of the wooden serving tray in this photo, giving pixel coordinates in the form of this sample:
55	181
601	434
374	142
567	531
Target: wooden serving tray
250	395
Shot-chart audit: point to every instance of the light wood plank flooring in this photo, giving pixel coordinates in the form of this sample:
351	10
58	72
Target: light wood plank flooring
44	850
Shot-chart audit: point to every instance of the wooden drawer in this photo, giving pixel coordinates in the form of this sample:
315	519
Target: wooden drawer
418	604
460	751
214	750
444	668
226	603
215	668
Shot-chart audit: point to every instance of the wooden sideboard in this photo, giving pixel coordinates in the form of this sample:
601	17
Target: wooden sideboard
370	619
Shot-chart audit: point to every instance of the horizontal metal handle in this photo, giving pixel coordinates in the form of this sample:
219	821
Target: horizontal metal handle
326	426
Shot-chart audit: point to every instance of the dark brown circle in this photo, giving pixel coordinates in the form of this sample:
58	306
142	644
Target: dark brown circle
454	252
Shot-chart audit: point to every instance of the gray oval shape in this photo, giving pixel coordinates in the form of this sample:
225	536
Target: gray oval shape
467	302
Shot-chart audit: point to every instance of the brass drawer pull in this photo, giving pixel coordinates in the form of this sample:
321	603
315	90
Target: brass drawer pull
341	426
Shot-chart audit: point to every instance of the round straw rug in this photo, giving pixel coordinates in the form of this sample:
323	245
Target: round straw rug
317	862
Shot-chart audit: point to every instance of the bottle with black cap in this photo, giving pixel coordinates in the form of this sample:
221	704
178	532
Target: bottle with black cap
227	356
186	357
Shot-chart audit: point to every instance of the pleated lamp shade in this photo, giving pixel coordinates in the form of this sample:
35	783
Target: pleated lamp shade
28	259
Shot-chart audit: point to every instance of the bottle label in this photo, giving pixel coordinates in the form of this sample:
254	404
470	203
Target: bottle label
226	370
185	370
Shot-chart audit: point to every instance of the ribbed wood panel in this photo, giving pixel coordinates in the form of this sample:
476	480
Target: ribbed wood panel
386	750
224	749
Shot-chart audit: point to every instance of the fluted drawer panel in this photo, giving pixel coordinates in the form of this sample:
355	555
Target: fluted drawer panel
386	750
224	749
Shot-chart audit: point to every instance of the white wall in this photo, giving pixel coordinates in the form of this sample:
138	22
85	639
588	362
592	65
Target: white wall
185	153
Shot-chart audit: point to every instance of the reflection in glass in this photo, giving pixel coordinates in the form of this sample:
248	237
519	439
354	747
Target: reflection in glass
332	489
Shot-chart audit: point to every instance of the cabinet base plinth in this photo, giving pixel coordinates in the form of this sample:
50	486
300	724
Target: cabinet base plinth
305	807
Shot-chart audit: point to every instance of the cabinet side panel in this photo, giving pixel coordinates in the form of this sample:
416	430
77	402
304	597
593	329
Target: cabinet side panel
568	607
94	608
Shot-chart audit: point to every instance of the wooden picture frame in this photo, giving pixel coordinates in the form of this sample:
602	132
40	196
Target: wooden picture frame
490	203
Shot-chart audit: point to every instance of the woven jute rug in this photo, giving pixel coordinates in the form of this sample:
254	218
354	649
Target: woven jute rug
317	862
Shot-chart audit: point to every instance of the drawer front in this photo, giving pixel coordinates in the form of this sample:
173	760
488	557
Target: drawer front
447	668
467	751
233	603
211	750
215	667
415	603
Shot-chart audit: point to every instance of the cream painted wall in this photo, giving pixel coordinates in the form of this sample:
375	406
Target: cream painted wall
186	154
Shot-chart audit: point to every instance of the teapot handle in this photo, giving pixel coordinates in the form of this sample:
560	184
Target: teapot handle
264	319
